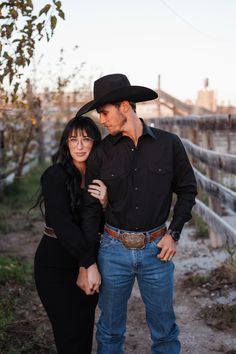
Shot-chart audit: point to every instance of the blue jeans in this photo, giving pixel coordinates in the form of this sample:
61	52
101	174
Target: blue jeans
119	266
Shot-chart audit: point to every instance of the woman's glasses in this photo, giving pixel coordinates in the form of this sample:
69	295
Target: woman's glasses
85	141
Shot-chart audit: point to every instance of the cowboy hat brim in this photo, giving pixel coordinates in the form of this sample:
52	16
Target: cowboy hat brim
130	93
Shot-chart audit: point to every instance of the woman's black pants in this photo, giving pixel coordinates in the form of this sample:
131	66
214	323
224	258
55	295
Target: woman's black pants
70	311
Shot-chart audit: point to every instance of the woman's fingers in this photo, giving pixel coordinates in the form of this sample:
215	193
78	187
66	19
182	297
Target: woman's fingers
82	281
98	190
99	182
94	278
96	187
94	191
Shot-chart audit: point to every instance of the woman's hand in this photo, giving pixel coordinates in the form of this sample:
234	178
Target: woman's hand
94	278
89	279
99	190
82	281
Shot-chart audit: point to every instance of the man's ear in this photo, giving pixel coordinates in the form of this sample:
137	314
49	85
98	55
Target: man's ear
125	106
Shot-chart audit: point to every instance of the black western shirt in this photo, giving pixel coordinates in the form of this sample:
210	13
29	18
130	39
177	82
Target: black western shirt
142	179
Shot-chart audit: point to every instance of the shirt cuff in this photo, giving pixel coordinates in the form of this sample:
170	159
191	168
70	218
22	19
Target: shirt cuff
177	224
88	259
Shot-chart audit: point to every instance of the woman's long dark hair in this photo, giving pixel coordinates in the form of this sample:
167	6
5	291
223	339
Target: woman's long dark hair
63	157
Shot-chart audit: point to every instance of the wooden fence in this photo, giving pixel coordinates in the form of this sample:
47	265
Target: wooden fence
211	144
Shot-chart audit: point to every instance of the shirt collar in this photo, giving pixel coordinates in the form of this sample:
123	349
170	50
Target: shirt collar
146	131
116	138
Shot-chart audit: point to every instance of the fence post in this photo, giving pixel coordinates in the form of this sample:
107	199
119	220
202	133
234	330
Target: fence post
193	135
208	142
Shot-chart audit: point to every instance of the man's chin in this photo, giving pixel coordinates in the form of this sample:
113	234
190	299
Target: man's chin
113	132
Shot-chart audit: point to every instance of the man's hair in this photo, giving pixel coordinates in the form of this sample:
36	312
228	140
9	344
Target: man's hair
132	104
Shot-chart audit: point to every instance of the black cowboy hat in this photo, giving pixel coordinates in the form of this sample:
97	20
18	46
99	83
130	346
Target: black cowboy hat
115	88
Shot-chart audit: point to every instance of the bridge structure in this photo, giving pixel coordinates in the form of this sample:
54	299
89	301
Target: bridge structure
178	107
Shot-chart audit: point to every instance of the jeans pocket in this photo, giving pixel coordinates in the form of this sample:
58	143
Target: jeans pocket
106	242
154	249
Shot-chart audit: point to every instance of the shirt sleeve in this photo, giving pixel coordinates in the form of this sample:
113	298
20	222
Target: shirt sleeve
184	185
92	210
59	217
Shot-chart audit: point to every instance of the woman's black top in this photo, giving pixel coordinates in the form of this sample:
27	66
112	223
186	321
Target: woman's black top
59	216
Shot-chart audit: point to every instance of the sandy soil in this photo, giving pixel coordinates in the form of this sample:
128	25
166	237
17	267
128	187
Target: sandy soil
193	256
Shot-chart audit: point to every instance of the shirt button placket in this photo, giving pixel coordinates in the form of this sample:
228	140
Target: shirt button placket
136	187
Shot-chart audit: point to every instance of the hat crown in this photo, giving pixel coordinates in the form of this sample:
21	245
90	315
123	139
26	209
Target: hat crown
108	83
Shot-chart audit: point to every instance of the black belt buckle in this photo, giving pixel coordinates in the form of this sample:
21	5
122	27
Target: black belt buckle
133	241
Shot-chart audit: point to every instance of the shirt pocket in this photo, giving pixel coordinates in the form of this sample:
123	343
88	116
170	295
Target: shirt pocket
160	177
115	178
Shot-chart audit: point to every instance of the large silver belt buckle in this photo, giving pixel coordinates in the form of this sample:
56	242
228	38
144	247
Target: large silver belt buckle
133	241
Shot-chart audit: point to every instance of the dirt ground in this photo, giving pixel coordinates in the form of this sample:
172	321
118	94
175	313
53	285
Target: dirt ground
194	256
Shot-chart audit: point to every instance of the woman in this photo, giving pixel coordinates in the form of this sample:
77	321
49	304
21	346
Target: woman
63	249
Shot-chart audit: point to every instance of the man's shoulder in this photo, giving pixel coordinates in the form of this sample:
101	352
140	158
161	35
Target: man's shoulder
106	141
160	133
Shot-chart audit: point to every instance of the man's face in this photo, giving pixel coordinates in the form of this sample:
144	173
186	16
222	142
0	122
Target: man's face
112	118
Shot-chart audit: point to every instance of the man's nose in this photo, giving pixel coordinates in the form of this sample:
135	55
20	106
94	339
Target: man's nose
102	118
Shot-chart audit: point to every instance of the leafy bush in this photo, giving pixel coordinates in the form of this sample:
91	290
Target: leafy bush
14	269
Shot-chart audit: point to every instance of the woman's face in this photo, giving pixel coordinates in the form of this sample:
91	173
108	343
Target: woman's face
80	146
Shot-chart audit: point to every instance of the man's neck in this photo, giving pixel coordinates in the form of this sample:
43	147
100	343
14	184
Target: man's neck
133	129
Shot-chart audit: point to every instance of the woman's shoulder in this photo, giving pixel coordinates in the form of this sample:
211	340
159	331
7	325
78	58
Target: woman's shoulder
55	171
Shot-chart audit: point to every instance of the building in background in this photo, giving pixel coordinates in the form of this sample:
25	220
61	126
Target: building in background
207	98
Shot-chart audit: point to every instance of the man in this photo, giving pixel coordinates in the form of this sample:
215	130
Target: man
142	167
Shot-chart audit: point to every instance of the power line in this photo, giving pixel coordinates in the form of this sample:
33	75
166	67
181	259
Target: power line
191	25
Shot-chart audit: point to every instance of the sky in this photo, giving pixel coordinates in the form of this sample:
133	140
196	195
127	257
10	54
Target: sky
184	41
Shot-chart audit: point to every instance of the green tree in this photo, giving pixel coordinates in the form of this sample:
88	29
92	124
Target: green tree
20	29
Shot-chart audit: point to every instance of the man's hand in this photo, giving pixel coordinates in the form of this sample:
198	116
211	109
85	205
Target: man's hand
82	281
168	248
94	278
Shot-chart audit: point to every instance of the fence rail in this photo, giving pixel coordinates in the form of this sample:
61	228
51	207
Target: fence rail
206	122
218	224
199	136
220	161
